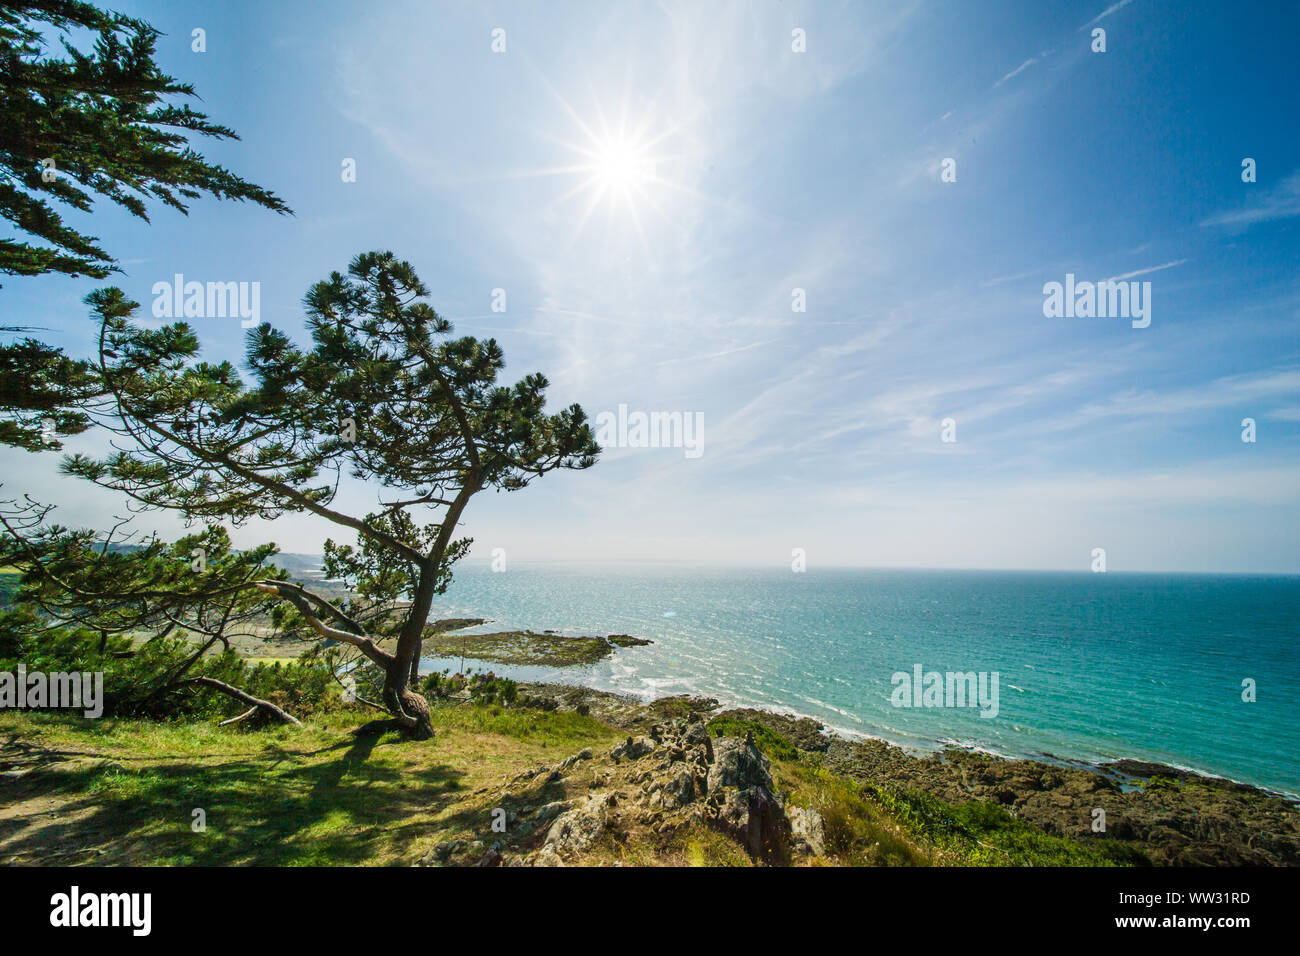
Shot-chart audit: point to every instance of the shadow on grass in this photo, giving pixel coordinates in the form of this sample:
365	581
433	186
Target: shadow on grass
356	801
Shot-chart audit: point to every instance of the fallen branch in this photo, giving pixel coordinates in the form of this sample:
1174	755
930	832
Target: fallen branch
281	715
234	720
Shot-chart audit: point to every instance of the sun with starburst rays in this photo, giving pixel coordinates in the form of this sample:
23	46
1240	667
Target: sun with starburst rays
621	166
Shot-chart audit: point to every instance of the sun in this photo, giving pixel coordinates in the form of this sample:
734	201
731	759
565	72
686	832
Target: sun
618	171
622	167
628	167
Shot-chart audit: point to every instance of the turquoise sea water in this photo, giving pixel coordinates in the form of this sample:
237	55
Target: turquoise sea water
1091	666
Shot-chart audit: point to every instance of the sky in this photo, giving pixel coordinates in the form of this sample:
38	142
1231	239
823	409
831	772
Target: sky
650	184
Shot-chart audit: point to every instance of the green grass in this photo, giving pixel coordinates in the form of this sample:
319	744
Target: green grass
347	789
858	831
9	579
985	834
330	793
775	746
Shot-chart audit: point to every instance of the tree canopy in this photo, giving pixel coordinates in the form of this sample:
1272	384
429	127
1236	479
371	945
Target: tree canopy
98	121
384	394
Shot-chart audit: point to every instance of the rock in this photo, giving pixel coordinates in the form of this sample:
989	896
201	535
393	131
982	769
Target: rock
807	831
439	854
754	817
554	809
547	856
740	783
579	828
680	790
627	640
567	762
696	734
633	748
738	763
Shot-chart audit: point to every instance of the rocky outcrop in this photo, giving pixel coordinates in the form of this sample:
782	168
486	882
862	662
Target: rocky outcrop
652	784
641	798
740	790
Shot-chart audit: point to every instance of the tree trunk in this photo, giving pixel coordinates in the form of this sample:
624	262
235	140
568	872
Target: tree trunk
398	696
411	710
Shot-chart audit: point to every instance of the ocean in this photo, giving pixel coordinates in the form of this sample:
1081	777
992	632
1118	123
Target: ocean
1091	667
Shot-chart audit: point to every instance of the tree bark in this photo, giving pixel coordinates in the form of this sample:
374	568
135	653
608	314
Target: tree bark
411	708
279	714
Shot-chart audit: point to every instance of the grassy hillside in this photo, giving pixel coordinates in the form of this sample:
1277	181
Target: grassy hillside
344	791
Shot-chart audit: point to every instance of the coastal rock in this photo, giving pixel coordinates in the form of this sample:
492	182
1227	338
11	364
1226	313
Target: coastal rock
627	640
1161	815
754	816
633	748
579	828
807	831
740	787
738	763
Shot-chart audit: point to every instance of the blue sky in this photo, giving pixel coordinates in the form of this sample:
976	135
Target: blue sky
649	182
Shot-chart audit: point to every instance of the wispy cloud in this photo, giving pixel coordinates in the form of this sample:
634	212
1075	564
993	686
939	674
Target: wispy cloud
1146	271
990	283
1020	69
1107	12
1280	203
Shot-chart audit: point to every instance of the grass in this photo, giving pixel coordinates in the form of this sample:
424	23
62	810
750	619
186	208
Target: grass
342	790
9	579
985	834
330	793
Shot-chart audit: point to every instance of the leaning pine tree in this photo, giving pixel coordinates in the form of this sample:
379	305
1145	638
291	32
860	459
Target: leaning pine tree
384	395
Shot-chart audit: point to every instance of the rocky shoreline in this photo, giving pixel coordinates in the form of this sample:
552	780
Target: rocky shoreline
1159	814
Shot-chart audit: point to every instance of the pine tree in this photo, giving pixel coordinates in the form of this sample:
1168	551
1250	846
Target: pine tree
101	121
384	395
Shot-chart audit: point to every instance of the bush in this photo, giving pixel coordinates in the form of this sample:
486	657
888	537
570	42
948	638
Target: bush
485	687
136	676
